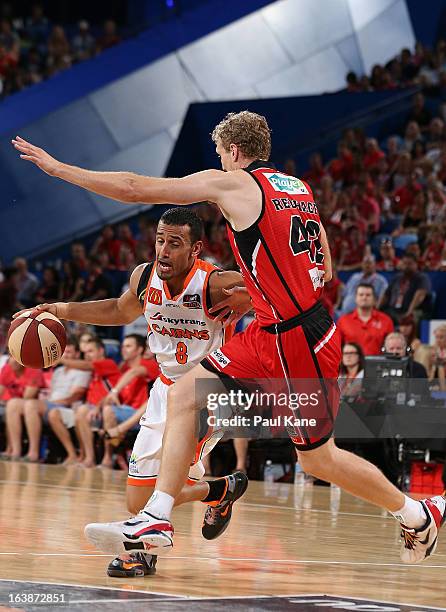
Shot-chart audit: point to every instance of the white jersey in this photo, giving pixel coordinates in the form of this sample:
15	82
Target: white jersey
181	331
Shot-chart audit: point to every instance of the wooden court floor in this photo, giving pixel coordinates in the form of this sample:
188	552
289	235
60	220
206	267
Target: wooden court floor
282	540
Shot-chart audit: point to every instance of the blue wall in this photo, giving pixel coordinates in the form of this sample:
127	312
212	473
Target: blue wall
428	20
27	106
298	124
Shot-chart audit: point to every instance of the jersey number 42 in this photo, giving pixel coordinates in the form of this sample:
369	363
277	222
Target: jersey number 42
304	238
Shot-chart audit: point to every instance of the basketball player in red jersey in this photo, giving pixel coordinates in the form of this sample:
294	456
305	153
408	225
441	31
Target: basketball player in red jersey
281	248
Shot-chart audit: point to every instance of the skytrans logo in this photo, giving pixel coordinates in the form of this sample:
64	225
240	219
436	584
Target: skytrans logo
286	184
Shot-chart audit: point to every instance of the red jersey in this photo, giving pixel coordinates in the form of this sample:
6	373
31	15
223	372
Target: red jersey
280	255
15	385
135	394
370	335
105	375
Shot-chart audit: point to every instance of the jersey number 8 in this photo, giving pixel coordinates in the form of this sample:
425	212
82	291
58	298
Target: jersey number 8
181	353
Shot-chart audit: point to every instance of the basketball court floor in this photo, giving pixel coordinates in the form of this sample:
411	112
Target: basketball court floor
287	548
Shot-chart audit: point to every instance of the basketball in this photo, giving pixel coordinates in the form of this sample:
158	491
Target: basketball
37	339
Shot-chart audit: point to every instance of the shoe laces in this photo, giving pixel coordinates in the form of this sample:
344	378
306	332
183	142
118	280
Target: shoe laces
410	538
213	514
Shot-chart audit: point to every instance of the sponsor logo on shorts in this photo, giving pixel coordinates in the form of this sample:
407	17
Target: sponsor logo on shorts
192	301
285	184
220	358
133	468
154	296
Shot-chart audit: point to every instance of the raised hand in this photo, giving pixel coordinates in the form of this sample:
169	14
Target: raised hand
36	155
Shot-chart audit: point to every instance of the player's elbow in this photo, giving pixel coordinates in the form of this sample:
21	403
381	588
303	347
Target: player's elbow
131	192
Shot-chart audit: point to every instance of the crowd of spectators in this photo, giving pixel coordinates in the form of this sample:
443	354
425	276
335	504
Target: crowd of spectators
32	48
88	401
423	66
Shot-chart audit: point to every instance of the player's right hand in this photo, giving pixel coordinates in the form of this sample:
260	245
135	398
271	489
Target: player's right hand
55	309
38	156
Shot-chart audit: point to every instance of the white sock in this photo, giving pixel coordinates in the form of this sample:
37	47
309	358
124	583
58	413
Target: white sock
412	514
160	505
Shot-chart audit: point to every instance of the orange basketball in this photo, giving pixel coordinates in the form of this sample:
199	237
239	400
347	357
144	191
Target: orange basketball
37	339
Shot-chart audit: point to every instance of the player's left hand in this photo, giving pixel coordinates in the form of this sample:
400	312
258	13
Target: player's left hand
38	156
231	309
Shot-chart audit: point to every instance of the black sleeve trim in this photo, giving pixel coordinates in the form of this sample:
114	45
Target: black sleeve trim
144	279
208	294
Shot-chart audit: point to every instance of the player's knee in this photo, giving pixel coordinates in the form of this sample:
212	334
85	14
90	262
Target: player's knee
316	462
178	401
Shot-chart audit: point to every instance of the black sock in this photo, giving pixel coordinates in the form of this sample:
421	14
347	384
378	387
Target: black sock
216	490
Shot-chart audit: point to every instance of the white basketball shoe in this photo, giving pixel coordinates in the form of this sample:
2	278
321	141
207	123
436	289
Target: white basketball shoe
142	533
418	544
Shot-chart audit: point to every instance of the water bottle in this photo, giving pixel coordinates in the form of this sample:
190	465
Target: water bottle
299	475
268	472
335	498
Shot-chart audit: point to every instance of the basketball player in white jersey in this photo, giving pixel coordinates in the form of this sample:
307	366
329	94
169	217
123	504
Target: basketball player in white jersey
175	294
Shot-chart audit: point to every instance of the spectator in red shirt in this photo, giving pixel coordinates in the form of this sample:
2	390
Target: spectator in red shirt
367	205
365	325
17	384
352	249
373	154
98	285
433	254
78	256
341	168
393	151
314	175
107	243
126	402
105	374
388	260
404	195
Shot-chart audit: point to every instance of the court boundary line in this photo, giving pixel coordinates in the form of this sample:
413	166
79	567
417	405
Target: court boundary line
173	597
418	567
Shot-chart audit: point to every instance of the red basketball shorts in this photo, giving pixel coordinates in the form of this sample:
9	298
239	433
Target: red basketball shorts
299	355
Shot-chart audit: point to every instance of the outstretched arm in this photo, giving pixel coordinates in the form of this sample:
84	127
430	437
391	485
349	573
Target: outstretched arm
129	187
116	311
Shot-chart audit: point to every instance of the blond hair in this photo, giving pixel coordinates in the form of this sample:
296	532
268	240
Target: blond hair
440	328
423	354
249	131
